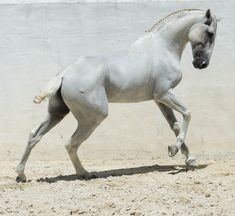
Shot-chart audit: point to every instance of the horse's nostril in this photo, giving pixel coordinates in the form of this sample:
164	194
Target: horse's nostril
203	65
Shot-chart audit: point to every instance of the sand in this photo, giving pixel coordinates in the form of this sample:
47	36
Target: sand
128	187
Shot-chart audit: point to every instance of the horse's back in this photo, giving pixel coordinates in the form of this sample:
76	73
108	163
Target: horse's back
86	73
124	76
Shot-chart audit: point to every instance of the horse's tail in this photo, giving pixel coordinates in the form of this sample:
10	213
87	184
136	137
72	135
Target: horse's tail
50	89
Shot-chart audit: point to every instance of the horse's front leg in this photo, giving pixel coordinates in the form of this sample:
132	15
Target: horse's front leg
174	125
169	99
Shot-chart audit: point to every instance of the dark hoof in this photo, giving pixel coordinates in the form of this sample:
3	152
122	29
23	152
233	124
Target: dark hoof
93	176
172	150
19	179
87	176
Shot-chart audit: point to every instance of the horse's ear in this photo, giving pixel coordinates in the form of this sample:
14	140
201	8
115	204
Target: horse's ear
208	17
208	14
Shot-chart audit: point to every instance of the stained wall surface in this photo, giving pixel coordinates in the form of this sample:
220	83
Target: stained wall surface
39	40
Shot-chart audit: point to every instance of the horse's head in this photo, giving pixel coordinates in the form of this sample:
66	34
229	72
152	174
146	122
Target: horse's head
202	38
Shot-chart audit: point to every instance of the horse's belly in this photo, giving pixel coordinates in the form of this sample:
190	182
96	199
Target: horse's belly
129	95
128	87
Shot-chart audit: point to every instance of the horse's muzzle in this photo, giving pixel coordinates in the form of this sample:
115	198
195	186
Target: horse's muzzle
200	64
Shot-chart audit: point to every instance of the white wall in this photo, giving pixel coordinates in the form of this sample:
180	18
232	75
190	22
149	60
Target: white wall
82	1
38	40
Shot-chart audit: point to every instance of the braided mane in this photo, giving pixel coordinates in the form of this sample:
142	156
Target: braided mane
161	21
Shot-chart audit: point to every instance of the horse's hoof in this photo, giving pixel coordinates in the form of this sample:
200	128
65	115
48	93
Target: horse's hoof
93	176
191	162
86	175
21	179
172	150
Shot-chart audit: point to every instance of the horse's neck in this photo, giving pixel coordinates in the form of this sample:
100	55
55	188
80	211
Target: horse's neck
175	32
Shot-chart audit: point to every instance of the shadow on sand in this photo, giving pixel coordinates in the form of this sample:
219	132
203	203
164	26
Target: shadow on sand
171	169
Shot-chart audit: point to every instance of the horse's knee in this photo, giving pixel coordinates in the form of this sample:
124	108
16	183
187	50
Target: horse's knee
176	128
187	115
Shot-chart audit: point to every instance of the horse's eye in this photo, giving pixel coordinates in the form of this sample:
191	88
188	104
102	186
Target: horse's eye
210	34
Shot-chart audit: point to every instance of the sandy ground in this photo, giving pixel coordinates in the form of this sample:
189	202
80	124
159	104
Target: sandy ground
149	187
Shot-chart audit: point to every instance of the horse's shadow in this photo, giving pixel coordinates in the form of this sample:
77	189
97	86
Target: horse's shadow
171	169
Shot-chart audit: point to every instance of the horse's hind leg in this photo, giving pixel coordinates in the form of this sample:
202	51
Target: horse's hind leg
56	112
90	109
79	136
172	150
85	128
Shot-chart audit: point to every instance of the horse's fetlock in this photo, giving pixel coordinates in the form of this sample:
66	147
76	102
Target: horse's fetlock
20	169
184	149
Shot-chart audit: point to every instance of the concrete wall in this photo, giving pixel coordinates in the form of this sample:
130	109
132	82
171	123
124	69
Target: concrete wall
38	40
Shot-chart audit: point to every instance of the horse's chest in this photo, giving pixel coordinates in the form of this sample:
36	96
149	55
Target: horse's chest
175	77
166	77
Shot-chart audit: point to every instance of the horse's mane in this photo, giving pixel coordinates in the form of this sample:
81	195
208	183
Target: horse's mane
161	21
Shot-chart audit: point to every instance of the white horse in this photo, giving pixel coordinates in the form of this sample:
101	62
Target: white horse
148	70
